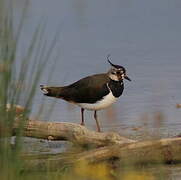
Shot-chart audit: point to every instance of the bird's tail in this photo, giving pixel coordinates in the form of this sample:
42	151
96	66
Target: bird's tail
51	91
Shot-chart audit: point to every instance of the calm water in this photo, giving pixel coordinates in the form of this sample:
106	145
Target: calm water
144	36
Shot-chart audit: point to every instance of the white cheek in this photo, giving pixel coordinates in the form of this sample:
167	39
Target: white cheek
114	77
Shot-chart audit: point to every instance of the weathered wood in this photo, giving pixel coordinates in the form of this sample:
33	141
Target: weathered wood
64	131
69	131
163	150
109	145
158	151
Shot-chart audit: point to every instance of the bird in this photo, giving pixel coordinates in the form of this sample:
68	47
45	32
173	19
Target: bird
93	92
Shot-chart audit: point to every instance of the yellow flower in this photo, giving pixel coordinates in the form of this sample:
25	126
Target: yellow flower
92	171
137	176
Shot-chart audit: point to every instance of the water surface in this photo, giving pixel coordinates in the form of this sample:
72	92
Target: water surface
144	36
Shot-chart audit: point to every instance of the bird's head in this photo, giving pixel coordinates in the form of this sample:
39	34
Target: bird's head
117	72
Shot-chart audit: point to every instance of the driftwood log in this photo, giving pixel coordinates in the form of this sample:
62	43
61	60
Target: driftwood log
163	151
105	146
72	132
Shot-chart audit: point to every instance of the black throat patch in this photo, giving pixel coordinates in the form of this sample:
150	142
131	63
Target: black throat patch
116	87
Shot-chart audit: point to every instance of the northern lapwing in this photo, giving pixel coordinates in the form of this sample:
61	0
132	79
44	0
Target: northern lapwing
94	92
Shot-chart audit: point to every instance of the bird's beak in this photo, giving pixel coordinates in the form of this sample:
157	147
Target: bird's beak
126	77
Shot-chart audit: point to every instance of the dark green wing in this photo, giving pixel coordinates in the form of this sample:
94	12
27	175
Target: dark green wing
86	90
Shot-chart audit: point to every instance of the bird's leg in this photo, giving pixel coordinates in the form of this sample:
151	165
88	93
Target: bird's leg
97	122
82	116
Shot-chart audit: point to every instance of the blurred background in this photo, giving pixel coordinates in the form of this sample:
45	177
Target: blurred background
144	36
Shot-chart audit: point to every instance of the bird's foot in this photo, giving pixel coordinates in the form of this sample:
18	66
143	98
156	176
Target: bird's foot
82	124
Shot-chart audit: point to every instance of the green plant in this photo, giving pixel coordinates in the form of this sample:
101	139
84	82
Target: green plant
18	83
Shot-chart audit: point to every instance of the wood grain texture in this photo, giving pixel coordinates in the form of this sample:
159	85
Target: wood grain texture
105	146
69	131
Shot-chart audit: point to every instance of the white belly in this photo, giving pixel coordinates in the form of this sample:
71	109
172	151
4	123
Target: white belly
103	103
